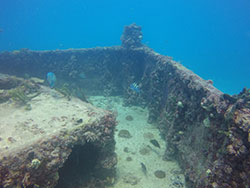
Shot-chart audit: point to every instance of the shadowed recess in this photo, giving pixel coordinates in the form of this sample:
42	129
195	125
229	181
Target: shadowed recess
78	167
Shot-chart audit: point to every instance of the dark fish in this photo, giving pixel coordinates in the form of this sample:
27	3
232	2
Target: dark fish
79	121
155	143
154	150
144	169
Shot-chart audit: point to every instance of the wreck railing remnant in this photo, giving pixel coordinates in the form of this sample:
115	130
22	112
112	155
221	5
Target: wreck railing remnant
206	130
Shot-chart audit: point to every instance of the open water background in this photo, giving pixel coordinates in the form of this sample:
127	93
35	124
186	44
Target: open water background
210	37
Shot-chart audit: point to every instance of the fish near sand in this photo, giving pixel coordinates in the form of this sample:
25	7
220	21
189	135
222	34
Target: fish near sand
144	169
51	78
155	143
155	151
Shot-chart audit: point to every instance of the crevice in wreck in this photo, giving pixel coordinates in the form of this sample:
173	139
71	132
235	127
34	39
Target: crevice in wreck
79	167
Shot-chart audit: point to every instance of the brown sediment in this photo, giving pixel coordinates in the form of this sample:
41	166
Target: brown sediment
148	135
129	159
129	118
124	134
144	151
160	174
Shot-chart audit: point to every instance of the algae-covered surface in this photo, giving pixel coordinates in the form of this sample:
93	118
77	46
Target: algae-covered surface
137	149
37	138
50	113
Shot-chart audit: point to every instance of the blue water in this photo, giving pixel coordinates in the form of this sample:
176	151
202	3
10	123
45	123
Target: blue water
210	37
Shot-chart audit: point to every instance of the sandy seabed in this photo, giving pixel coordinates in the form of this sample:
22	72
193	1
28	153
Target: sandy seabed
130	173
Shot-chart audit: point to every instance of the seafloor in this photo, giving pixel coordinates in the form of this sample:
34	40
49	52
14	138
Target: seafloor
135	149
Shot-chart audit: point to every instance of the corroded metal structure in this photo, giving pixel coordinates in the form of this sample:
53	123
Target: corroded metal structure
206	130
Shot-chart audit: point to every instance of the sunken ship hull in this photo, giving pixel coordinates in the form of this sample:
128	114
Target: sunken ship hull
206	130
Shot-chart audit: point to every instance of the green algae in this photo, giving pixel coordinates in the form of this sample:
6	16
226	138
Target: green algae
18	95
64	90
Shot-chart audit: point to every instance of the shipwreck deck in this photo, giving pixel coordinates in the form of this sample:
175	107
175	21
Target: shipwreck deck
50	114
37	138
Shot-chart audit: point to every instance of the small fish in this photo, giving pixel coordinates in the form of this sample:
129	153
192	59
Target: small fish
156	152
155	143
144	169
79	121
82	75
135	87
51	78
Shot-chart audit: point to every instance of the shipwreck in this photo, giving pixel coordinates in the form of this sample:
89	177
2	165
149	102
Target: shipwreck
206	131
